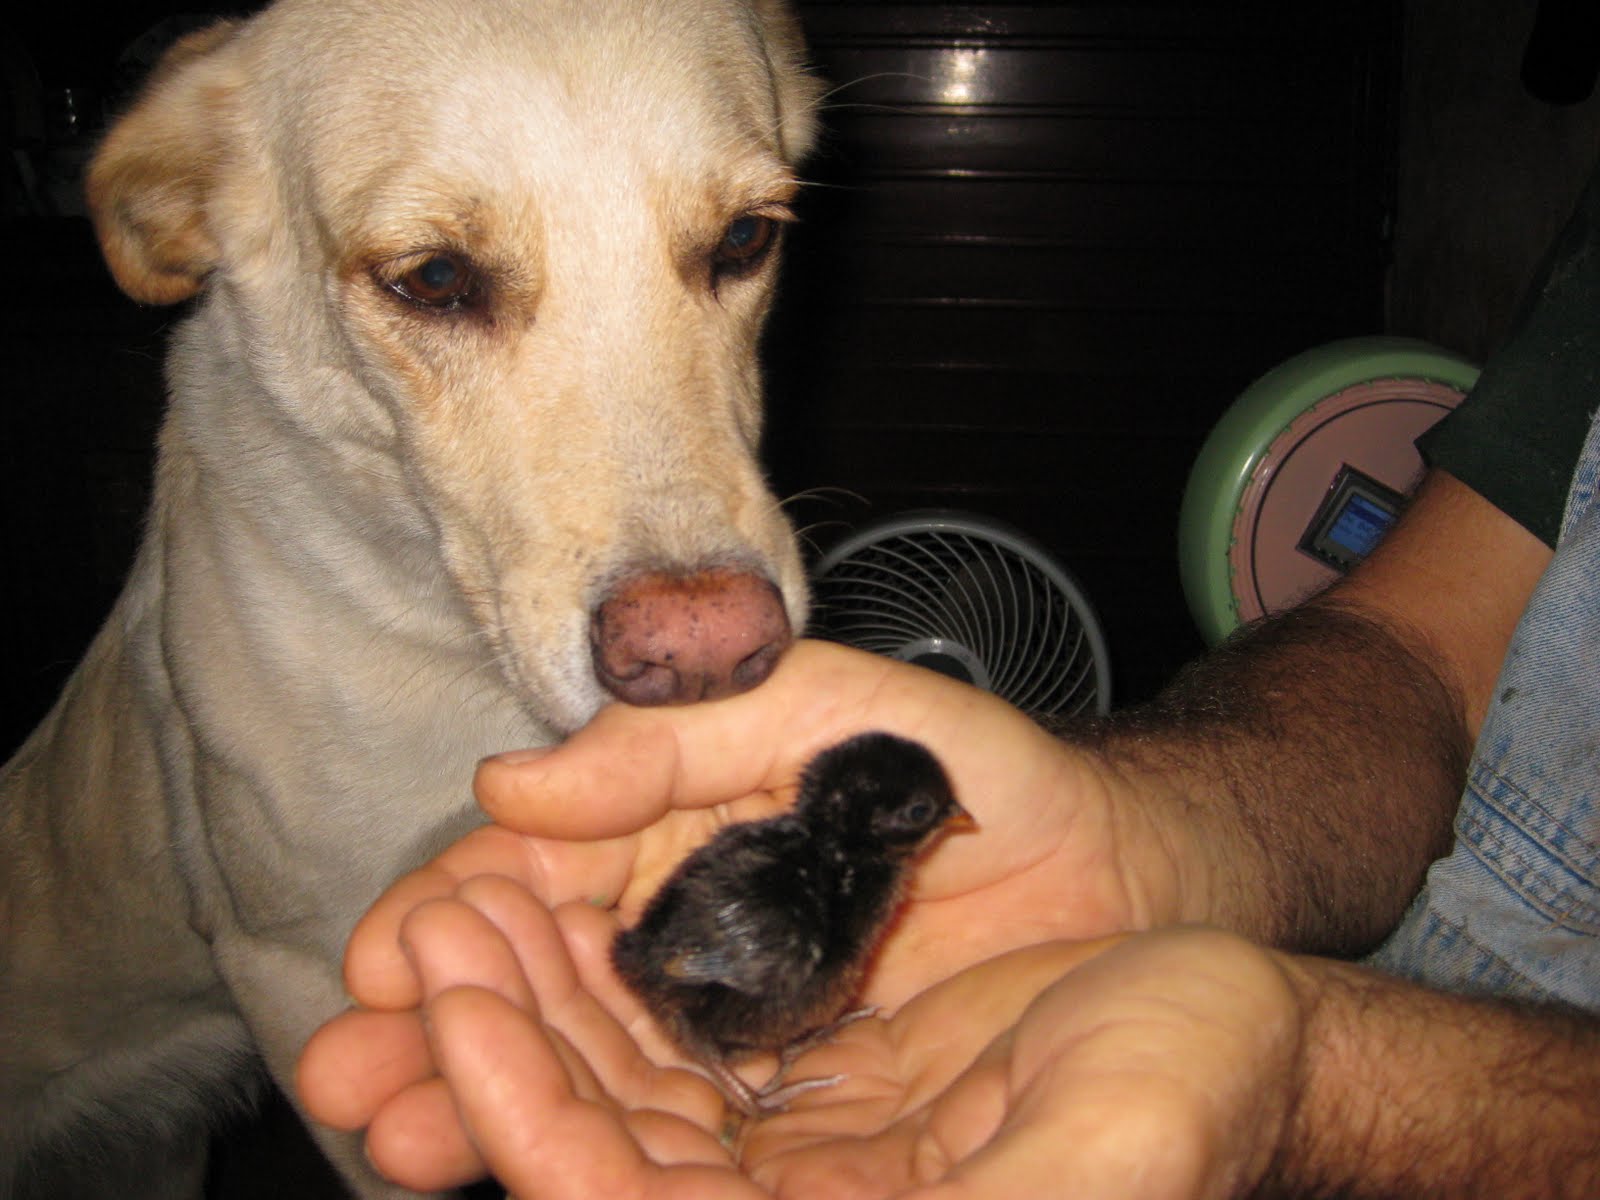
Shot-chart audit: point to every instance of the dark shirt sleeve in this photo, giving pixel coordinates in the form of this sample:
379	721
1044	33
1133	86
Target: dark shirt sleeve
1515	440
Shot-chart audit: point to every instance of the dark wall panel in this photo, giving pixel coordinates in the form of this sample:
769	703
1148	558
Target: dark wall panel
1049	243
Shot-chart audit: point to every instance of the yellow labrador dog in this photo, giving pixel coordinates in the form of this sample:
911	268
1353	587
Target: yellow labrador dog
460	445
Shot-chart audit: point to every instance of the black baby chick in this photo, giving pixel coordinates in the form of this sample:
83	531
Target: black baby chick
759	939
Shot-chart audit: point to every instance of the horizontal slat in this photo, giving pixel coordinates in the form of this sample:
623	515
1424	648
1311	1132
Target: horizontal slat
1216	78
1235	22
877	142
1066	277
1099	211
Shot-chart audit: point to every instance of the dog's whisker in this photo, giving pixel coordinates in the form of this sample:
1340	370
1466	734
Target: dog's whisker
805	535
826	100
822	492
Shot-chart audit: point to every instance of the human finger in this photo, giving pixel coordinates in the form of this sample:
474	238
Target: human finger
493	936
489	935
417	1140
631	765
538	1137
377	971
588	935
564	957
416	1137
357	1062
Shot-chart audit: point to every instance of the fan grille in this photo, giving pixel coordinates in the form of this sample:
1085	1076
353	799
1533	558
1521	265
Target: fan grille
996	613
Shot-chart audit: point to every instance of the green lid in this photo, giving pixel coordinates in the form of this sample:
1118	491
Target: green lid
1241	438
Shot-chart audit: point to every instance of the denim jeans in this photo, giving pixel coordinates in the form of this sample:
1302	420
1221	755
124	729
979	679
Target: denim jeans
1515	908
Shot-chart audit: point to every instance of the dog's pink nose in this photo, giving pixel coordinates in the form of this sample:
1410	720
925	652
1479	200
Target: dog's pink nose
675	639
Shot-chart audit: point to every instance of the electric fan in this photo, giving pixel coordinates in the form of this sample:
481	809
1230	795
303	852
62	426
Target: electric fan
972	598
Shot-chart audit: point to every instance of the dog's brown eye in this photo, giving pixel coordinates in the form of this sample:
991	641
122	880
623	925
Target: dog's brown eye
745	242
439	281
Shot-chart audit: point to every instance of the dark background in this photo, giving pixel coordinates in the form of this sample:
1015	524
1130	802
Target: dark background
1049	243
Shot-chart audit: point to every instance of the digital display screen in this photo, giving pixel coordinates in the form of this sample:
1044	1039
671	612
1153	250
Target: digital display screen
1360	524
1352	518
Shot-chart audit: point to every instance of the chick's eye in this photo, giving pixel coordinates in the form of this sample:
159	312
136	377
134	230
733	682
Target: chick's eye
920	812
438	281
745	242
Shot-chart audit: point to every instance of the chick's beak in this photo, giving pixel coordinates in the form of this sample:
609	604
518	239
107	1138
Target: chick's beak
960	821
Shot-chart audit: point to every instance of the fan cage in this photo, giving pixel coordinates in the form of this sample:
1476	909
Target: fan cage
972	598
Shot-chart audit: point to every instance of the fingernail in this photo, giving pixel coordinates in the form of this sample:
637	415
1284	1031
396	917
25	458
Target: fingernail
516	758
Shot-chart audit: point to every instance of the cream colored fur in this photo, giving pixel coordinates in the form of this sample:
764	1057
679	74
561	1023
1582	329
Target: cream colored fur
378	528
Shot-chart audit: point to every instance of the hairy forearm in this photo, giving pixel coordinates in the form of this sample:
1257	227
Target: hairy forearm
1314	765
1406	1092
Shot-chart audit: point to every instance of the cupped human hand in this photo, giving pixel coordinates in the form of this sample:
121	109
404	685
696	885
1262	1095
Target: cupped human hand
1158	1066
526	1059
1064	848
522	1051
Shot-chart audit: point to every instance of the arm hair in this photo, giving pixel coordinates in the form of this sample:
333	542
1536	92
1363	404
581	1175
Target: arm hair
1318	758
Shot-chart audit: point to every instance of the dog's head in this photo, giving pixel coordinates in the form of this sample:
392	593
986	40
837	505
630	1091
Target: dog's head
518	254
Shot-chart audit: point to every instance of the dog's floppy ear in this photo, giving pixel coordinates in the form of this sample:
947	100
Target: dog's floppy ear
151	178
798	90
